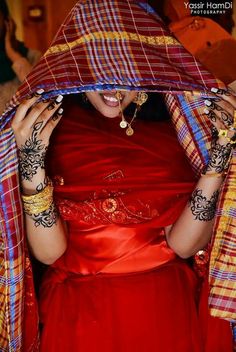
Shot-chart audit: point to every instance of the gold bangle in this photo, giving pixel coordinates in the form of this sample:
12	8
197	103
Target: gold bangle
37	203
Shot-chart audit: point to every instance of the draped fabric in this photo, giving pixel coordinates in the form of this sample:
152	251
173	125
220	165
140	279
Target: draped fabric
106	45
116	194
135	188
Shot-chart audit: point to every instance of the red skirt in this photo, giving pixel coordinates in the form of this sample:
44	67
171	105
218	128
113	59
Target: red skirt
154	311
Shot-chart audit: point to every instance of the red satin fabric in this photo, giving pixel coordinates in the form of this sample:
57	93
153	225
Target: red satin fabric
118	287
153	311
118	193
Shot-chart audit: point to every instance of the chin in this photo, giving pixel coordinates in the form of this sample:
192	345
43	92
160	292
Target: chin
110	113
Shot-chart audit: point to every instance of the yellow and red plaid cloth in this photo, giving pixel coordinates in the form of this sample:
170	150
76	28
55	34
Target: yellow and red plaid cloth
106	44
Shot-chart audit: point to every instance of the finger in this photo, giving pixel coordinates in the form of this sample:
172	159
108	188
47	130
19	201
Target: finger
216	122
219	130
50	112
25	106
227	95
42	111
222	109
51	124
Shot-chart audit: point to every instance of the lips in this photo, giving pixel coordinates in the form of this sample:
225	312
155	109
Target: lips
110	99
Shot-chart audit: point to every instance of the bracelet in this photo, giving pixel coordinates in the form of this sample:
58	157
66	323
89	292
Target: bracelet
37	203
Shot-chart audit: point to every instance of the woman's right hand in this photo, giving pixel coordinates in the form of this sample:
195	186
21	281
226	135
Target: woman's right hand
33	125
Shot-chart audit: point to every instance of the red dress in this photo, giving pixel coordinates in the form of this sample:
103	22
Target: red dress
118	287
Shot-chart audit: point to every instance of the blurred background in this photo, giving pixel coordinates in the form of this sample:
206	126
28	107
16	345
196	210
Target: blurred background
38	20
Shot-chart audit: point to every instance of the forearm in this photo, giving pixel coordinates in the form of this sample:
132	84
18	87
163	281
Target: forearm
33	126
192	231
46	232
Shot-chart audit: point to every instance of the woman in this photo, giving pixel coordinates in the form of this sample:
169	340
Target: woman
15	59
114	282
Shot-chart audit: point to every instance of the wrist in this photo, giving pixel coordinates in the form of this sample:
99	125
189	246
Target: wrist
37	184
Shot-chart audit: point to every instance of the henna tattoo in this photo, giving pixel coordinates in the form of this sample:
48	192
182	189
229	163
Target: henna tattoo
58	114
47	218
203	209
225	92
215	106
42	185
220	156
36	94
32	154
211	115
227	118
56	102
214	133
212	105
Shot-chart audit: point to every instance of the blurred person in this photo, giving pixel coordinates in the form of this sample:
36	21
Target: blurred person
206	37
224	17
16	60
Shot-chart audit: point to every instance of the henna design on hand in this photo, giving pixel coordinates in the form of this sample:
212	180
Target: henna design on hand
212	104
203	209
211	115
220	156
32	154
227	118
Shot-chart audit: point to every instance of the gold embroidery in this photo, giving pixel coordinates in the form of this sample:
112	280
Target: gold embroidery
109	205
152	40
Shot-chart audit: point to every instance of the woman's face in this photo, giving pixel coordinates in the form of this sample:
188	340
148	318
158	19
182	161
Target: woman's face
107	102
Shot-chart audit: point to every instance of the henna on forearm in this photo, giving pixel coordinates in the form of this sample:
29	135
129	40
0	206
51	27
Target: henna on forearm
203	209
42	185
32	155
47	218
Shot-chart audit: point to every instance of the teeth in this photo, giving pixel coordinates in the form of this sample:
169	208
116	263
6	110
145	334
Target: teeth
112	99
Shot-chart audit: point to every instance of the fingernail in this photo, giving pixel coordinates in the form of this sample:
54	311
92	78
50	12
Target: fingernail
214	90
39	91
59	99
206	111
207	102
58	114
60	111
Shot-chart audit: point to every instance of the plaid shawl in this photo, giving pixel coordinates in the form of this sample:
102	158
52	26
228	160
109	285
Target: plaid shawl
106	44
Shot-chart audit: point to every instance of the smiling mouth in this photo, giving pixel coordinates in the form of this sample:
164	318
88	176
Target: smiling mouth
110	99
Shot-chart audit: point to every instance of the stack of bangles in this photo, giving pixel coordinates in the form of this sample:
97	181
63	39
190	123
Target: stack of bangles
37	203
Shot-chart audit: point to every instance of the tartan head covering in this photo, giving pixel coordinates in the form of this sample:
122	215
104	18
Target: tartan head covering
106	44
